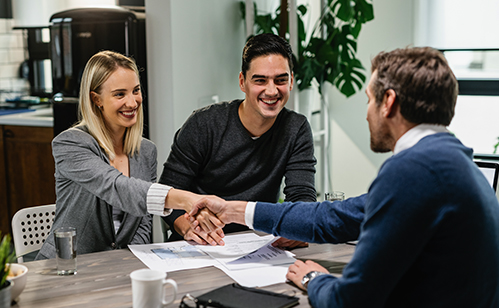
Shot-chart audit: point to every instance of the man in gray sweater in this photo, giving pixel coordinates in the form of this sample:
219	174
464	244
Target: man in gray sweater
242	149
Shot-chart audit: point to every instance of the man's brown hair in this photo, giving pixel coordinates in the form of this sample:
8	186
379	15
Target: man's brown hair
425	85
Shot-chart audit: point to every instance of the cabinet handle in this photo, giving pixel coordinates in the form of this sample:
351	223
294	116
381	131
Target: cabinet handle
8	133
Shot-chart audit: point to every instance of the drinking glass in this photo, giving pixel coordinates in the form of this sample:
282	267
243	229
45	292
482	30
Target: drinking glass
65	245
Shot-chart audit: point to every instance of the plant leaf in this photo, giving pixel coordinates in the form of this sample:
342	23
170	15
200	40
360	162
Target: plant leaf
364	11
350	74
345	10
6	256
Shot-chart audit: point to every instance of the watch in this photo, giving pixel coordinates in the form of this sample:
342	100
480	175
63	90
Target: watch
309	276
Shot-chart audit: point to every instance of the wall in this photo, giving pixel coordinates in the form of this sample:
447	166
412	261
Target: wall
11	56
193	54
353	164
456	23
194	49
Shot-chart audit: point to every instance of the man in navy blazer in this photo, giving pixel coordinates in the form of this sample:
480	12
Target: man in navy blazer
429	233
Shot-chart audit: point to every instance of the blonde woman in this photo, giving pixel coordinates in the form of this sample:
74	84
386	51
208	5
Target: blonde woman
105	170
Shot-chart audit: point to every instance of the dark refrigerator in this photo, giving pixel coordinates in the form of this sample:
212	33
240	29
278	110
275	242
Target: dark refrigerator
76	35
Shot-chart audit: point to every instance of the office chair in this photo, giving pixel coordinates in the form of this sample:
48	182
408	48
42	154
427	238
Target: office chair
490	170
30	228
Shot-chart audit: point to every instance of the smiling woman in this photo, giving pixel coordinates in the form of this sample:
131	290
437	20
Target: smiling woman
105	171
118	99
111	86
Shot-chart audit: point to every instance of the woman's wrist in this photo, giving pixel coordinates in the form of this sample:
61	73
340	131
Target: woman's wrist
180	199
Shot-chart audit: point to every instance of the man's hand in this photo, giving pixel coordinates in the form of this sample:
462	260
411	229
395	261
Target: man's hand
299	269
216	205
226	212
184	227
289	244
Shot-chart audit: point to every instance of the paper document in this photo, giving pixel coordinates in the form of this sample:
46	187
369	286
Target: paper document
247	258
172	256
258	277
263	257
237	246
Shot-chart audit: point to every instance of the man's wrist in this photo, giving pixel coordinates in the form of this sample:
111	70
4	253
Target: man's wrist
309	277
181	225
235	212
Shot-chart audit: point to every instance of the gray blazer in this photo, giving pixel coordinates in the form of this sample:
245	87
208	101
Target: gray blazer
88	187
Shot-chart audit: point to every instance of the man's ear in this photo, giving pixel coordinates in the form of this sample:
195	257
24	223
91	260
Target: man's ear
241	82
390	106
292	81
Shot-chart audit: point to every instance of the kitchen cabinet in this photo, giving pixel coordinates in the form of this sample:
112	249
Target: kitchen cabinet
26	170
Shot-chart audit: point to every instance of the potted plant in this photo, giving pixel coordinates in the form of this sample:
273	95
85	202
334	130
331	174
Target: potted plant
329	55
6	256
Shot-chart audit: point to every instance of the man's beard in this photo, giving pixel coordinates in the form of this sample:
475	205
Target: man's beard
380	141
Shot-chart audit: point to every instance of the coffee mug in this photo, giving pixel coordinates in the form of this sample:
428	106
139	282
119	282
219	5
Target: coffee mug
149	288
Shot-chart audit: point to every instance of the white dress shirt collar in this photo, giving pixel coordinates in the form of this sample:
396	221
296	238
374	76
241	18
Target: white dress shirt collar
412	136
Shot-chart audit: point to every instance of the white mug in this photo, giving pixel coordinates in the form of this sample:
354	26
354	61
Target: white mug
148	288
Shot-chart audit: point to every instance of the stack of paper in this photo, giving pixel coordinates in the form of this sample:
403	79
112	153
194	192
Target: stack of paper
249	259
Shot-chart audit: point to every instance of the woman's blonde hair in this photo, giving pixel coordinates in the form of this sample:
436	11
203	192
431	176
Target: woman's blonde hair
97	71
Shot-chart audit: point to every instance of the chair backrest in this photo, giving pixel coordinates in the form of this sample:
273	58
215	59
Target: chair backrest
490	170
30	228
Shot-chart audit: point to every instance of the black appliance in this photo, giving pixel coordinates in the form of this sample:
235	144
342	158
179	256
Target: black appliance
75	36
35	67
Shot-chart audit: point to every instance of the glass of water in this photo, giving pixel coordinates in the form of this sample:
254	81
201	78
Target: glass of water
334	196
65	245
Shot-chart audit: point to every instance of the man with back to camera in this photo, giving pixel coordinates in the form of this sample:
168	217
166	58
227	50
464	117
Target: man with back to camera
430	234
241	150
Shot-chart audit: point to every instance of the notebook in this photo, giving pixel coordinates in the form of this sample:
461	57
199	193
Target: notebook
236	296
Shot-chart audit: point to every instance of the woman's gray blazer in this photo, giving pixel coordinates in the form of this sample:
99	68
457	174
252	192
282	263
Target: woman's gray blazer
87	187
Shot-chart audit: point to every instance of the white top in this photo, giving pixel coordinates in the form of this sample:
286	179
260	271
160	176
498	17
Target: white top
409	139
412	136
156	196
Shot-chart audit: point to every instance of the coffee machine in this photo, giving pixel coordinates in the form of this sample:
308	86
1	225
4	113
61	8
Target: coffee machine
75	36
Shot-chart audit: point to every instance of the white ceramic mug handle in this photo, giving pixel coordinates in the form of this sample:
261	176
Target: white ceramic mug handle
174	285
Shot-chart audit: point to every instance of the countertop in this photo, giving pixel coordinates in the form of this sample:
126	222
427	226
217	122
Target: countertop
42	117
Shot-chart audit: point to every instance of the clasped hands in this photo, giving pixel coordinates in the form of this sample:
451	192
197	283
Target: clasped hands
206	220
209	215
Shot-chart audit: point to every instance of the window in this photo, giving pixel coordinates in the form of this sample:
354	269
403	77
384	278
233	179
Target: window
464	31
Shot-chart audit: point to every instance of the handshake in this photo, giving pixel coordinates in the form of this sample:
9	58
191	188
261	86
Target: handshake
208	215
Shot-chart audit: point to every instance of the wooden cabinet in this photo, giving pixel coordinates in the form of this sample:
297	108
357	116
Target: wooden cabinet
26	170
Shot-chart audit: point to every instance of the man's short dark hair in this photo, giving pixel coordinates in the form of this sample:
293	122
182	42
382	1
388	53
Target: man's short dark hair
425	86
263	45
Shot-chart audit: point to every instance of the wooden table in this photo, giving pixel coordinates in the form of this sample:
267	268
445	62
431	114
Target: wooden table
103	279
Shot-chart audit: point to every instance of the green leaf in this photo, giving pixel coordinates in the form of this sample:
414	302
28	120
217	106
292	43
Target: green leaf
345	11
242	9
6	256
350	75
302	9
364	11
355	30
306	73
264	24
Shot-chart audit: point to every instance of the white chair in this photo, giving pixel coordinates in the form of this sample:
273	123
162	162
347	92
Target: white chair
30	228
